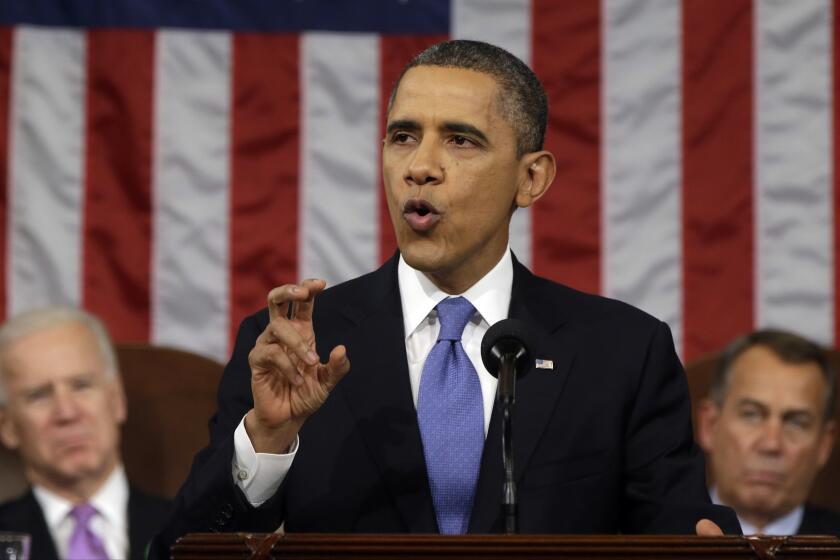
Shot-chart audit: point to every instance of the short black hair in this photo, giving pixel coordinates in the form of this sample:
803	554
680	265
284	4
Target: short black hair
521	96
790	348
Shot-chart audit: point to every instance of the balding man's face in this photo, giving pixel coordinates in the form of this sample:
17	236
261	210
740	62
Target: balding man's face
768	440
63	411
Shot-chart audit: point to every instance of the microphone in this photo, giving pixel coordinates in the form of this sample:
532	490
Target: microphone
509	338
506	353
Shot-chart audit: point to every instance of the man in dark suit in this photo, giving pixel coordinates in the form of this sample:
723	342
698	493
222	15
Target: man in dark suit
602	429
61	406
768	428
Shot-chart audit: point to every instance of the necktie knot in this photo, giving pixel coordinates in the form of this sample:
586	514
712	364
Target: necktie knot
454	314
82	513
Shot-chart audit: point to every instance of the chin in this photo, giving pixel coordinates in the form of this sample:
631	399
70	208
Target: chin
422	255
80	463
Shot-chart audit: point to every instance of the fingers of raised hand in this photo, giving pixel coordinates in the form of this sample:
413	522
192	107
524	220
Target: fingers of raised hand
299	297
271	358
283	350
281	332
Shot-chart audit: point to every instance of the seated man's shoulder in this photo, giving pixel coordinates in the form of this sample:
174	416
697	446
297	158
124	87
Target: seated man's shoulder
15	512
820	521
150	504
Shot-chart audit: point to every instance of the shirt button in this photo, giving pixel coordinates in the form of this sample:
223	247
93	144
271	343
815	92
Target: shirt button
242	475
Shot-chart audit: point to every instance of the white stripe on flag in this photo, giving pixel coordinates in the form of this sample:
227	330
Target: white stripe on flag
190	185
793	169
507	24
46	168
339	216
641	157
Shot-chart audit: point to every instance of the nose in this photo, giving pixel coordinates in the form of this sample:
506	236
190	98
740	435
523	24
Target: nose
770	439
425	167
65	406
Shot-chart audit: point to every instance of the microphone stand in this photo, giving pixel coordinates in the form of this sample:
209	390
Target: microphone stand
506	394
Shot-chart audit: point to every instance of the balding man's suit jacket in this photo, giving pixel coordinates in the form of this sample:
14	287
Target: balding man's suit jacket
603	441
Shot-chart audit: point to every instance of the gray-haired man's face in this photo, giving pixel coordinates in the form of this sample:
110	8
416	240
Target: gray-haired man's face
63	409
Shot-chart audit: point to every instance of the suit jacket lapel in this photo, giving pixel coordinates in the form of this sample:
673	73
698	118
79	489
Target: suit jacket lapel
537	392
378	391
32	517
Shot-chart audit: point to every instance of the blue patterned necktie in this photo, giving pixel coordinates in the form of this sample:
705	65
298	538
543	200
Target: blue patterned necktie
450	412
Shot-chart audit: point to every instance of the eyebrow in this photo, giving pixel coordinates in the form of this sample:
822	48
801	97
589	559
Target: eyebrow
464	128
404	124
448	126
746	401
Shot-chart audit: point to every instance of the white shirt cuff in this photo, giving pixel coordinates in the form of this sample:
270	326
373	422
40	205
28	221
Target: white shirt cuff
259	475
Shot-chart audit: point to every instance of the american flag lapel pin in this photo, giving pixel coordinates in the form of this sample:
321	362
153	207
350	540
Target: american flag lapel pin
541	363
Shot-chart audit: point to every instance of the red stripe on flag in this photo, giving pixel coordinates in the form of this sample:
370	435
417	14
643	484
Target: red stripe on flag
566	55
265	147
395	51
717	173
5	101
117	211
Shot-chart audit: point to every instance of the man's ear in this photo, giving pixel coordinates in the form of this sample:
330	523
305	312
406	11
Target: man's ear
8	432
827	439
538	171
707	415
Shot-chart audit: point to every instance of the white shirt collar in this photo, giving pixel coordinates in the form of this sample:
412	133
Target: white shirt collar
110	501
787	524
490	295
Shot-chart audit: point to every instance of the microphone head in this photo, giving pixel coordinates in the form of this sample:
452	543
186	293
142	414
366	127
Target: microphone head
508	336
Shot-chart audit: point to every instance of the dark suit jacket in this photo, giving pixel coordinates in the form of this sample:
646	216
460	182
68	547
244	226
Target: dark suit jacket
603	442
146	514
819	521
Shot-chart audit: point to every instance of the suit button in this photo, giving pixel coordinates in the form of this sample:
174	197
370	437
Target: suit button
227	511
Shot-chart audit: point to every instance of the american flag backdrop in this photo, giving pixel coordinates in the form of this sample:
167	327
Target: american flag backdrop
164	163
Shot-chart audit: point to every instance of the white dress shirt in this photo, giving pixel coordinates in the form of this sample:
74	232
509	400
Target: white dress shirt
110	523
259	475
787	524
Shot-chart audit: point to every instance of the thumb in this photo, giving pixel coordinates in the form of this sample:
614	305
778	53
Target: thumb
336	368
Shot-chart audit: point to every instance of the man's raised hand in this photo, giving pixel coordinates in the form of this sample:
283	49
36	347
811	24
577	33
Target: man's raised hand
287	379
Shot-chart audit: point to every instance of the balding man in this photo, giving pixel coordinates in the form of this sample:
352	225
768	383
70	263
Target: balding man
768	429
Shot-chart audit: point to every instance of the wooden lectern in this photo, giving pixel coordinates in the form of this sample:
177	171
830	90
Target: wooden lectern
312	546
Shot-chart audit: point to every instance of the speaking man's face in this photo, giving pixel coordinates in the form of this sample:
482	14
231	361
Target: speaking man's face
768	441
451	173
63	411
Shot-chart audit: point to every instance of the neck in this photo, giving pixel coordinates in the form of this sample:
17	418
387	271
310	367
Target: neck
760	520
75	491
459	279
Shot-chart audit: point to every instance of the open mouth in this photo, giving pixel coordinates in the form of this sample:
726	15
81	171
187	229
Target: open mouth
420	214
